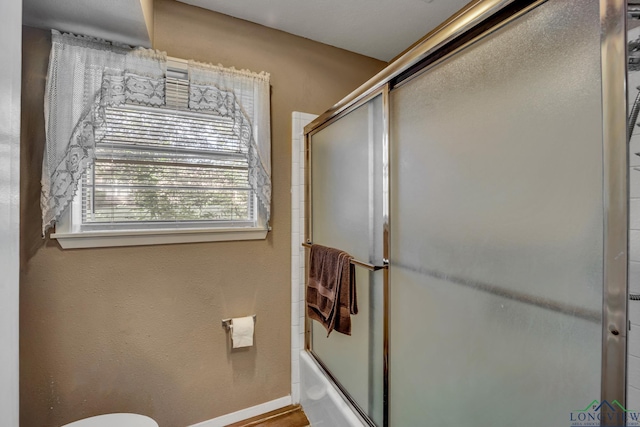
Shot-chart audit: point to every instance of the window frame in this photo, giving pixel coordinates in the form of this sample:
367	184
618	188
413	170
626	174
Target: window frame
71	235
114	238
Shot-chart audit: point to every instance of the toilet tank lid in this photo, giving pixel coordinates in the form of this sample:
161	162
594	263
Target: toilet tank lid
112	420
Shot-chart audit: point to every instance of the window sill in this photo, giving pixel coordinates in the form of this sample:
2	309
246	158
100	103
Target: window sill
106	239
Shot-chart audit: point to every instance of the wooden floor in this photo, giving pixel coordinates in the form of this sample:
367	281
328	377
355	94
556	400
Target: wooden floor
290	416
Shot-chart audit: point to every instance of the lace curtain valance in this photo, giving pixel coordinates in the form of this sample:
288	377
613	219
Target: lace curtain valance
244	97
87	75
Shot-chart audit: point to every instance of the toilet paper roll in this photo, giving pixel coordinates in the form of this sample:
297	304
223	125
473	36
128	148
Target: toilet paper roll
242	332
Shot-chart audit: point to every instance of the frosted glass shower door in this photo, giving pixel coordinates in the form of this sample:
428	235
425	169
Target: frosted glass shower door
346	169
496	263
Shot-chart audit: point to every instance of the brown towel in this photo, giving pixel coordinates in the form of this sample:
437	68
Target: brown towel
331	289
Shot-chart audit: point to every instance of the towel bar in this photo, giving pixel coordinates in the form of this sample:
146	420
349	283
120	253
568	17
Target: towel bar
370	267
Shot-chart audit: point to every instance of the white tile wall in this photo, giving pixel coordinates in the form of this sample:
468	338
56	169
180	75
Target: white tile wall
633	371
299	121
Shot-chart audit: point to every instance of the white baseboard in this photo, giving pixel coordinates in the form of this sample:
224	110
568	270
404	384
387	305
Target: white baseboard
243	414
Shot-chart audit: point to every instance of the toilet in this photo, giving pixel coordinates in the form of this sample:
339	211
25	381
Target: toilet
115	420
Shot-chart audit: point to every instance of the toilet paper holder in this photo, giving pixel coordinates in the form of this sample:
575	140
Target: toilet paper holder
228	323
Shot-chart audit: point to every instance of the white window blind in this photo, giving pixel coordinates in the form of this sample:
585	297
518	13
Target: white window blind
167	168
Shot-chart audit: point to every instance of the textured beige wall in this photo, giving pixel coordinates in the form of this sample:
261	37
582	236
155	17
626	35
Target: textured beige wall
147	12
138	329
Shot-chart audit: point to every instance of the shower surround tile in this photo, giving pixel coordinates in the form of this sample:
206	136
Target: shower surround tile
298	122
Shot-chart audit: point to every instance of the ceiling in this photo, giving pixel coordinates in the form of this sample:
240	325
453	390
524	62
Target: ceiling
114	20
377	28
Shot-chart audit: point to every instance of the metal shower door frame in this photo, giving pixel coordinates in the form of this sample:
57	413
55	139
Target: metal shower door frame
382	91
474	21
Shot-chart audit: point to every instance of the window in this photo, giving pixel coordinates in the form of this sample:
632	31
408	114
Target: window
169	173
157	169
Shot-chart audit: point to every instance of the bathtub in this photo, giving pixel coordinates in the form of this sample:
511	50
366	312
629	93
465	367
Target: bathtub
322	402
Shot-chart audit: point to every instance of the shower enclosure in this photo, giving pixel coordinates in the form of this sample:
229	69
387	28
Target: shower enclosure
480	181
